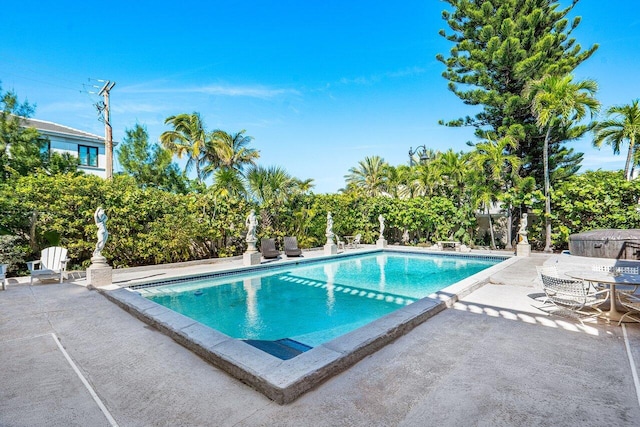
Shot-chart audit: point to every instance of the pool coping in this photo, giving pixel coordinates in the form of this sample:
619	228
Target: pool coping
285	380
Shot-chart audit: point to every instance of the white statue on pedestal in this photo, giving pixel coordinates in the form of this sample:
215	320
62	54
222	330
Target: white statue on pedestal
100	217
252	225
329	229
522	232
381	221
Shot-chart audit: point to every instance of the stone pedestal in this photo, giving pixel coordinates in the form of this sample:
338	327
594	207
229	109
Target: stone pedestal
330	249
381	243
251	258
523	249
99	274
251	246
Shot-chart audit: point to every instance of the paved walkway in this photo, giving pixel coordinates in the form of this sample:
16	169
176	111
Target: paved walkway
70	357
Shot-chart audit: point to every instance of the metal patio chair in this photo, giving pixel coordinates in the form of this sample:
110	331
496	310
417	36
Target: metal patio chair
573	294
631	302
549	270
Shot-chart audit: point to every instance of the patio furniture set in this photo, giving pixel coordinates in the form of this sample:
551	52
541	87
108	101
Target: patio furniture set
584	291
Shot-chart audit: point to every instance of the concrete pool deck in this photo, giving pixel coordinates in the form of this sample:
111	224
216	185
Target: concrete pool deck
493	359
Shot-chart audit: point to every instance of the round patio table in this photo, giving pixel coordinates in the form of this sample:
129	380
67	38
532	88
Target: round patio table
611	280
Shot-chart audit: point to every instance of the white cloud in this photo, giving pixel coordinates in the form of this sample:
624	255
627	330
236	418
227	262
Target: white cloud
362	80
258	91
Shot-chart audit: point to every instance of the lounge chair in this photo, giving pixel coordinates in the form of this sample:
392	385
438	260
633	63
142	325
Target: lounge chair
356	240
268	248
572	294
339	243
52	264
3	276
291	247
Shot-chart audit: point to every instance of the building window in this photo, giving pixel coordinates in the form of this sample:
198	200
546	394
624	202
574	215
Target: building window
88	156
45	149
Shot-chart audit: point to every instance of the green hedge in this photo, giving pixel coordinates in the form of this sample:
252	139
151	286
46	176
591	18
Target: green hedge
146	226
150	226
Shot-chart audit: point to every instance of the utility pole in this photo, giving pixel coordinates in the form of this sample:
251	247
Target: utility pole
108	131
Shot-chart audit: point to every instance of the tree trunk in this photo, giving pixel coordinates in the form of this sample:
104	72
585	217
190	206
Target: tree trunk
493	238
198	172
547	192
509	222
628	169
32	231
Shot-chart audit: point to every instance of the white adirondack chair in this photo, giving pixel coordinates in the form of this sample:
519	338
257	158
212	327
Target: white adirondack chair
52	264
3	276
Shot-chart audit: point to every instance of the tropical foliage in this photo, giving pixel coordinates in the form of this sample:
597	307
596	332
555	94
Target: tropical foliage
594	200
512	59
188	137
557	102
149	165
622	124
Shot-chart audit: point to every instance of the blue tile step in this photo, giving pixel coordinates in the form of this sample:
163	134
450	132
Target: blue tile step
284	348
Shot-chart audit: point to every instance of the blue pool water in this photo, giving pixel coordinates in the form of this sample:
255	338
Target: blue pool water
316	302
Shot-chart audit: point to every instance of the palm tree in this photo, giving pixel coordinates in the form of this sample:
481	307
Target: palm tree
484	195
402	181
493	161
623	123
454	169
273	186
370	176
225	150
555	102
187	137
268	183
301	185
228	183
428	179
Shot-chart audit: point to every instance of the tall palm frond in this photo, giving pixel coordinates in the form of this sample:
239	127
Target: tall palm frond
370	176
622	124
228	183
230	151
189	137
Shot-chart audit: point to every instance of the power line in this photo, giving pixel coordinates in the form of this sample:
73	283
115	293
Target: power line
46	82
21	72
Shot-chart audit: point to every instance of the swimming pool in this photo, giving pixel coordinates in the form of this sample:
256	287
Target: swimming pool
285	379
316	302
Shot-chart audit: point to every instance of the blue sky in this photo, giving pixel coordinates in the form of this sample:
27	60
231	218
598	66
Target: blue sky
319	85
